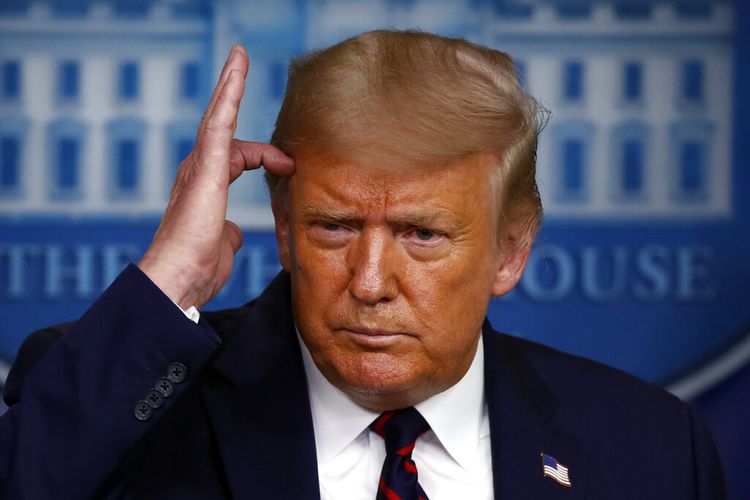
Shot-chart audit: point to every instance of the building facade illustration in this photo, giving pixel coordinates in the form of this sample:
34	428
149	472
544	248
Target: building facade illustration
99	100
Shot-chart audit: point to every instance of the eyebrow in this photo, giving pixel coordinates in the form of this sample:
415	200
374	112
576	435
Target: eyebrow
414	219
419	219
328	213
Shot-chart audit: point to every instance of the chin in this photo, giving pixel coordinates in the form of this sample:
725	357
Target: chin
380	382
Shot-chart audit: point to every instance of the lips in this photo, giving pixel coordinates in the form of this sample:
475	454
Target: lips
373	332
373	338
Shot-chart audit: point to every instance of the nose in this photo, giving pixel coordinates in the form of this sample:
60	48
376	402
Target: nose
372	264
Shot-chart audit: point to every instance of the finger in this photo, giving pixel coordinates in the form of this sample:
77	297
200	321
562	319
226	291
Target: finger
247	155
233	235
238	60
221	124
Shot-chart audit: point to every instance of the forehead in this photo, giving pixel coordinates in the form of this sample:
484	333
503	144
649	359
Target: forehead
329	179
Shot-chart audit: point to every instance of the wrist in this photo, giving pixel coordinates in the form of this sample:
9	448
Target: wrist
175	281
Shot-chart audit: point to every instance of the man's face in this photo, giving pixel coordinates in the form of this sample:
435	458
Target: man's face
392	270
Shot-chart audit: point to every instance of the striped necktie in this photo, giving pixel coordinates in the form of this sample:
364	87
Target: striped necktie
400	429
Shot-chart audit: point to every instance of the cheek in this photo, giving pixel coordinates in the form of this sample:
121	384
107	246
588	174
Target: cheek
319	281
450	299
317	267
466	276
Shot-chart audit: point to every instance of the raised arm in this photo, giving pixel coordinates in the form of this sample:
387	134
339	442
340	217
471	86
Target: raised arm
190	258
83	407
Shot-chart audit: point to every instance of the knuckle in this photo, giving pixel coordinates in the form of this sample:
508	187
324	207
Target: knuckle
186	166
215	124
211	156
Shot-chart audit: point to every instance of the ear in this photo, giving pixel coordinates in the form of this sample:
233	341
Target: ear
511	268
280	210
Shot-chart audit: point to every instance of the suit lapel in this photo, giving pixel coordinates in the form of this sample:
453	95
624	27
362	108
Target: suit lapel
521	409
258	404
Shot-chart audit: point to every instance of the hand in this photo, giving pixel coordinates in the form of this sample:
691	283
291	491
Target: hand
190	257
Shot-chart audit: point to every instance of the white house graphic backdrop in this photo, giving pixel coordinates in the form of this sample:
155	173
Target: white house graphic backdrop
642	262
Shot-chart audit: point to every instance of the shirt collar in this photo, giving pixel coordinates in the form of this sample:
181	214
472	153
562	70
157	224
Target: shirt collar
456	415
337	420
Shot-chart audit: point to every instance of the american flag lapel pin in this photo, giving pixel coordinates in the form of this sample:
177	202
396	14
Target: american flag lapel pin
555	470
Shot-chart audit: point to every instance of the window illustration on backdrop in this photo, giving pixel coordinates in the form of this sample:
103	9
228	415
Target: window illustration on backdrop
572	144
131	9
630	146
189	81
632	82
691	84
12	140
11	81
633	10
573	10
66	149
572	80
698	9
68	81
128	81
10	163
126	150
70	8
691	170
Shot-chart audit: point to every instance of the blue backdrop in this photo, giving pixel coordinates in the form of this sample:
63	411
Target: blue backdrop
643	168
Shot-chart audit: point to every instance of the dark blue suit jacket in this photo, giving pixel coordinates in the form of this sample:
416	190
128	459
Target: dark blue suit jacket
239	425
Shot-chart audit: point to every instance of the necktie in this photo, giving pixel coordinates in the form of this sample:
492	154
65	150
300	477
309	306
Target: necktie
400	429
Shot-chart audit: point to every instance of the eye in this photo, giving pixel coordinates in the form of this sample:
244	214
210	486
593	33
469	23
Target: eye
426	244
330	226
329	234
424	234
425	237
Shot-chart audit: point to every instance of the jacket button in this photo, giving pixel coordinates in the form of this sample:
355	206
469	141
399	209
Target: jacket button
142	410
177	372
165	386
154	398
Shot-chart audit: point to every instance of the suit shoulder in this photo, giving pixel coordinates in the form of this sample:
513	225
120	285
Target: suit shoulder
632	427
580	381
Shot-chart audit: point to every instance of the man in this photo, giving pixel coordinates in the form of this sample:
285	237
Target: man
367	367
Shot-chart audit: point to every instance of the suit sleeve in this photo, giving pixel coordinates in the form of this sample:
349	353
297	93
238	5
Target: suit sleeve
98	390
709	475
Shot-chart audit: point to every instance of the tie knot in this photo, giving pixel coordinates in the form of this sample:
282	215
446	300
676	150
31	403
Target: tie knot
400	429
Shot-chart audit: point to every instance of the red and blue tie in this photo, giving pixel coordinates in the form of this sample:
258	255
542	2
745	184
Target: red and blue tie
400	429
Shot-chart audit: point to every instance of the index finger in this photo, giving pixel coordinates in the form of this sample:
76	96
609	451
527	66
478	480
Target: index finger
236	60
215	146
252	155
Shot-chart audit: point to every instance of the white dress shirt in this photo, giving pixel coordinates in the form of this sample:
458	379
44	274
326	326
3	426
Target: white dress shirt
453	458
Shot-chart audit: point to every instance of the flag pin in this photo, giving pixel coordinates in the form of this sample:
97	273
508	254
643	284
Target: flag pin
555	470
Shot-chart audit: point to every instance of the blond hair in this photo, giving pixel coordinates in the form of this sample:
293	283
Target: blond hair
419	97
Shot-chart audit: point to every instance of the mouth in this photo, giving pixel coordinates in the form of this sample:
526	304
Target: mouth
373	337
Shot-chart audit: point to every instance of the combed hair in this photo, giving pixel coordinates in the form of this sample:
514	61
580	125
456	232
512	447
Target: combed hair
416	98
